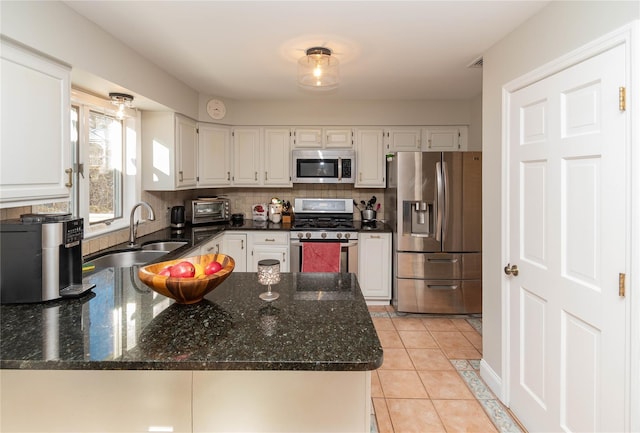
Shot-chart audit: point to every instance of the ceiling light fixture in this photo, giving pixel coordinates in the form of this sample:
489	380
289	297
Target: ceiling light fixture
318	70
122	101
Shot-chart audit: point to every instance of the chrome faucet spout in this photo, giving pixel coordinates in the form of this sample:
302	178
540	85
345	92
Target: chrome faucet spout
133	227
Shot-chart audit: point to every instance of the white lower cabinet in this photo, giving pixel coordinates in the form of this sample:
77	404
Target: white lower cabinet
96	401
235	245
134	401
281	401
374	267
212	246
268	245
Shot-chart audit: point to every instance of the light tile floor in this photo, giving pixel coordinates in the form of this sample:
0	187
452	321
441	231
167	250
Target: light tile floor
429	380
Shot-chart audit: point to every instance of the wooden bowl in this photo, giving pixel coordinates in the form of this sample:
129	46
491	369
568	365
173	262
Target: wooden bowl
187	290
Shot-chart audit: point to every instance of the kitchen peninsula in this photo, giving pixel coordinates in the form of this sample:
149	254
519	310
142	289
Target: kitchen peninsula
124	358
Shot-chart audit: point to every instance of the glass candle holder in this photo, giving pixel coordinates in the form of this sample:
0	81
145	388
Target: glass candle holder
268	274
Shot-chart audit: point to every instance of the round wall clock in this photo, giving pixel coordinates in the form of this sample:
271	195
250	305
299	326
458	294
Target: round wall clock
216	109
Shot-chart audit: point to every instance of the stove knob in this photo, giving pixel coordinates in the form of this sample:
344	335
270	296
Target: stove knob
300	235
324	235
308	235
339	235
347	235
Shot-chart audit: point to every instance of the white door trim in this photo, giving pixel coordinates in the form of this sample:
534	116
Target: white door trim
630	36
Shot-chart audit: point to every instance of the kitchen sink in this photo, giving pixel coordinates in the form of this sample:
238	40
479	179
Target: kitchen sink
123	259
163	245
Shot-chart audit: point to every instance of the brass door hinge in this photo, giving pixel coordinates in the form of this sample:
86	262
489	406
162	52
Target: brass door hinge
622	99
621	284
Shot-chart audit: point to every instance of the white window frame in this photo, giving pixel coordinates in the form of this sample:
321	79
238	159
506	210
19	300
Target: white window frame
131	185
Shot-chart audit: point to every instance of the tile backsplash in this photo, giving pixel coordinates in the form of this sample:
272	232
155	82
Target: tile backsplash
241	199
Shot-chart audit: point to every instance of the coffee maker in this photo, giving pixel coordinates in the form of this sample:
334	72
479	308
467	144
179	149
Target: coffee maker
41	258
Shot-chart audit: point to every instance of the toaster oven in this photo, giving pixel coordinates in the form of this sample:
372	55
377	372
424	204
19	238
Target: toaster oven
205	211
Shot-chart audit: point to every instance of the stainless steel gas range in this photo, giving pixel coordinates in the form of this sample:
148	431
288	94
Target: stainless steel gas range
324	220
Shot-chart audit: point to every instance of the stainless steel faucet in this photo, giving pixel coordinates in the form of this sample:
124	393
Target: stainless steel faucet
133	228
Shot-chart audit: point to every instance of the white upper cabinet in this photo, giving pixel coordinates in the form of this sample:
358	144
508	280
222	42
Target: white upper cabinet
277	157
169	151
214	155
187	152
319	138
35	160
261	157
338	137
307	137
445	138
246	156
370	156
403	139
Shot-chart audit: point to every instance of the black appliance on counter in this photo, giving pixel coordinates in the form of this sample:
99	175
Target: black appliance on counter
178	218
41	258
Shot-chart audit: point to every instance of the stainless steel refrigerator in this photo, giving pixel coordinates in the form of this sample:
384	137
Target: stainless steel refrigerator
433	203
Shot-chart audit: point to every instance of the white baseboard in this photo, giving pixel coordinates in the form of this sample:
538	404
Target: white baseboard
492	379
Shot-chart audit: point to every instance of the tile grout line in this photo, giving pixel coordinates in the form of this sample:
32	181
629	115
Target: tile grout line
494	409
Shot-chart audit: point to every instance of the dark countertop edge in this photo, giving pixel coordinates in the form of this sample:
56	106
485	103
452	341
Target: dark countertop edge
192	365
169	234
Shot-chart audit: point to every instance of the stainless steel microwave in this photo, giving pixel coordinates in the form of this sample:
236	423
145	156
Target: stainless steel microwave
207	210
323	166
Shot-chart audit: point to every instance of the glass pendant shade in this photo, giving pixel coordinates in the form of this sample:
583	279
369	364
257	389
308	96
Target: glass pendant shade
318	70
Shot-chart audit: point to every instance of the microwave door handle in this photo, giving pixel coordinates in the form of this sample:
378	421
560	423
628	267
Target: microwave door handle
339	168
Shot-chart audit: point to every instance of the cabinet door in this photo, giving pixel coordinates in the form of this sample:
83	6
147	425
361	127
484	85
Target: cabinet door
246	156
403	139
445	138
214	155
370	158
269	245
307	137
277	157
111	400
235	245
374	265
212	246
277	252
186	152
338	137
35	140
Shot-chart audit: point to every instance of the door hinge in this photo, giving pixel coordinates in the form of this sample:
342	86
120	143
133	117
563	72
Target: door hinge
621	284
622	99
79	168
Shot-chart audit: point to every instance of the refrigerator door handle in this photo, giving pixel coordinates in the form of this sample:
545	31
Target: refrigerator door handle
439	201
445	199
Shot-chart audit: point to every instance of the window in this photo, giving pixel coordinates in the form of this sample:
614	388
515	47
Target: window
105	165
105	150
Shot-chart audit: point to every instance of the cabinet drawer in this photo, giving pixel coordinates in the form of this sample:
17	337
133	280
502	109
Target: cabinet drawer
270	238
439	265
440	296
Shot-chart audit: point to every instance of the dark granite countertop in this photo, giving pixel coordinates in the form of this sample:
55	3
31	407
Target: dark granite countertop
320	322
197	234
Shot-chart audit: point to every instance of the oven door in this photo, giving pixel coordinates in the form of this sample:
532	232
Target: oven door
348	255
209	211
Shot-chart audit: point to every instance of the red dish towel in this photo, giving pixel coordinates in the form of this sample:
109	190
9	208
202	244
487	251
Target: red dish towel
321	257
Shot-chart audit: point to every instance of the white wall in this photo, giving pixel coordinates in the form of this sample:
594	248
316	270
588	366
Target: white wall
323	112
56	30
559	28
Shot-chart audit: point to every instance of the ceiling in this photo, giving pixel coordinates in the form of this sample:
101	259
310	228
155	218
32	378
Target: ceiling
245	50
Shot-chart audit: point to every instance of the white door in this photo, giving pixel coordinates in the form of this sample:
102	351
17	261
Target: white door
568	208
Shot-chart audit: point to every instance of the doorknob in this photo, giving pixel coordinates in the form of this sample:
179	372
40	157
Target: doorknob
511	270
